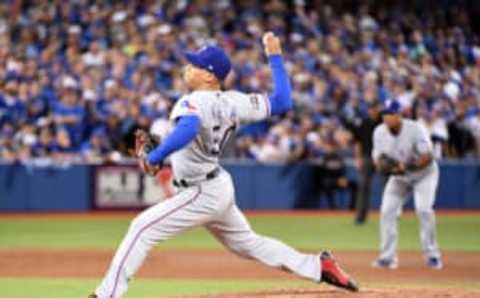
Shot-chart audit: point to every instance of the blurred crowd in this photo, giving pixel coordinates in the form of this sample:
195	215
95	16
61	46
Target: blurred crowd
78	77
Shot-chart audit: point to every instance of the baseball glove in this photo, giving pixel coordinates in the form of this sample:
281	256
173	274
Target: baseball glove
144	143
412	166
389	166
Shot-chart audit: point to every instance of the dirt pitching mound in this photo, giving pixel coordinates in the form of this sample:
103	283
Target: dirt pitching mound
364	293
461	269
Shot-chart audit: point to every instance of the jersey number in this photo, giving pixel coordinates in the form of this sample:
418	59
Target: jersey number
220	138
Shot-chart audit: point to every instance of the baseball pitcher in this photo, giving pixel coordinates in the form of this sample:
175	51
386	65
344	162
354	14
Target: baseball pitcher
402	149
203	121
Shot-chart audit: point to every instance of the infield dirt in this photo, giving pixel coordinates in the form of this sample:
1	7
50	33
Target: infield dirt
412	279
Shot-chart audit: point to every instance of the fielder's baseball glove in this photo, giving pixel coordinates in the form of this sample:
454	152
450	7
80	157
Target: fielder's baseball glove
389	166
144	143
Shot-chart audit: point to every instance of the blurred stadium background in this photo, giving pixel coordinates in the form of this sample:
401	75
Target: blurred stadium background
78	77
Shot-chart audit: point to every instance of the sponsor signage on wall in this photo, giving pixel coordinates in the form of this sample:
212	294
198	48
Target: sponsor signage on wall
125	186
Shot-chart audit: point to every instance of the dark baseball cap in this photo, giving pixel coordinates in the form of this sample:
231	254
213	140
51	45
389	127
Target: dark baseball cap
391	106
212	59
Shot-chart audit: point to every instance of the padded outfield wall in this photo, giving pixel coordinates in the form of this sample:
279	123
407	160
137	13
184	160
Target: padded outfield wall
38	187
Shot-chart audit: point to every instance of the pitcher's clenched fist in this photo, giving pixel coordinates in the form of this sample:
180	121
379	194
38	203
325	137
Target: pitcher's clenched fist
271	44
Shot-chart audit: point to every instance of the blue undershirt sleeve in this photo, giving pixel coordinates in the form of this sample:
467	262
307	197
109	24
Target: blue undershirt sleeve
280	99
185	131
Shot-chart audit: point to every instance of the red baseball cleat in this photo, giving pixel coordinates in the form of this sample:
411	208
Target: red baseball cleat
334	275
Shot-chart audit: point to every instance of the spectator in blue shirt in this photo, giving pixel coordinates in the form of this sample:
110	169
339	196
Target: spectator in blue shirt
13	109
97	147
69	113
45	144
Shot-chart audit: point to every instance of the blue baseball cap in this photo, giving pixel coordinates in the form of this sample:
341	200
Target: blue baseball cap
99	132
391	107
211	58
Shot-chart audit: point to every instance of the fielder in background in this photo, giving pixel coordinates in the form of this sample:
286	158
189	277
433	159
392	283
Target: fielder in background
204	120
402	149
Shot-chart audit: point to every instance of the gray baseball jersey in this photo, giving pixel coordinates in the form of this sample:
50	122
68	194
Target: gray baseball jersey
412	141
220	113
206	202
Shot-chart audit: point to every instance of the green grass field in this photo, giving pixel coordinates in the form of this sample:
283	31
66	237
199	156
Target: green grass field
459	233
456	233
143	288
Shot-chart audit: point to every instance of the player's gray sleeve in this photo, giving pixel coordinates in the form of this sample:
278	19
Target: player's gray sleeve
423	143
185	106
250	107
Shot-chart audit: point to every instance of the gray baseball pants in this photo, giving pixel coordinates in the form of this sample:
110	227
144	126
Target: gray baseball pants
211	204
397	190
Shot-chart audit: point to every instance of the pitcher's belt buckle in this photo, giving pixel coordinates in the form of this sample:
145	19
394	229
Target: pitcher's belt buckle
184	183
